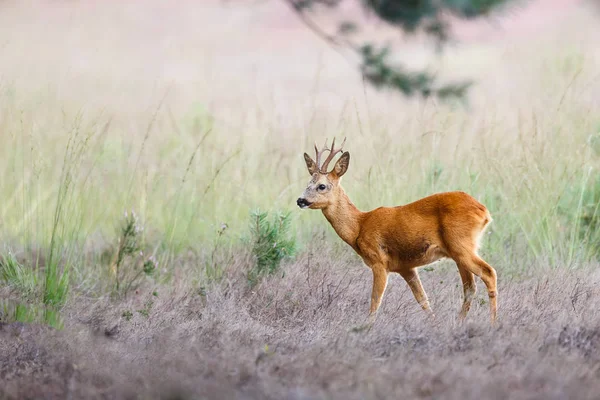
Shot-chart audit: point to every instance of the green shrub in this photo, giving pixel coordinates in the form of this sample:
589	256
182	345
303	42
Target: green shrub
129	264
270	243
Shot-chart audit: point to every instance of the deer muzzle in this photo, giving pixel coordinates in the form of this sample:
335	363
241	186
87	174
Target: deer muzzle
302	203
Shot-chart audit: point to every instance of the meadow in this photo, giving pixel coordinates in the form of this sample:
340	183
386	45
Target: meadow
150	160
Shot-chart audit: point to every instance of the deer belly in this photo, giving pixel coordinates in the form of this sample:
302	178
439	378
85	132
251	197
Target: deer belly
415	256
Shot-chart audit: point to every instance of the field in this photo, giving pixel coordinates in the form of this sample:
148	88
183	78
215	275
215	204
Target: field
150	160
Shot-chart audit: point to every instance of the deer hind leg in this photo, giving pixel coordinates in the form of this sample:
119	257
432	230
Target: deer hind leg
490	278
414	282
487	273
469	289
462	247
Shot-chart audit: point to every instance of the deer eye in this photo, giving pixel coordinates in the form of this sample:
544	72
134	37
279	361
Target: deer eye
321	187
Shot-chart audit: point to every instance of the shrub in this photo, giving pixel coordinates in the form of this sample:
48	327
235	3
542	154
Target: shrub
270	243
129	264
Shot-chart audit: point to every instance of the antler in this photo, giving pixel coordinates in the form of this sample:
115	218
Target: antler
320	153
332	152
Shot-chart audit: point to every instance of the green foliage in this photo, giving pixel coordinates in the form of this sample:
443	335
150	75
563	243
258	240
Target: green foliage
24	281
270	243
11	311
145	312
377	70
130	264
15	275
56	288
410	16
127	314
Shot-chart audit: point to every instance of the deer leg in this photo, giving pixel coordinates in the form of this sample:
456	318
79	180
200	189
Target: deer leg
380	280
414	282
487	274
469	290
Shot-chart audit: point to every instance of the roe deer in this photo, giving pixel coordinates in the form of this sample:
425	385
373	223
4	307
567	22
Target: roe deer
400	239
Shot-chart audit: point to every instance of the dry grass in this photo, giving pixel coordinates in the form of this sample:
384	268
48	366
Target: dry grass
214	346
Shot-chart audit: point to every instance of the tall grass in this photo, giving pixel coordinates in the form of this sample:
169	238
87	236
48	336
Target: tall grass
192	157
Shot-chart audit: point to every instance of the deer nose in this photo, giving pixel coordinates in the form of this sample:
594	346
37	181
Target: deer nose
302	202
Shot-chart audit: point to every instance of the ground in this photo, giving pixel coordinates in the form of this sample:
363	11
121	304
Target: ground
293	338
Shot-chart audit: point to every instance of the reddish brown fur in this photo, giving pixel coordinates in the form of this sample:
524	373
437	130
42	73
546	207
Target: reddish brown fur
401	239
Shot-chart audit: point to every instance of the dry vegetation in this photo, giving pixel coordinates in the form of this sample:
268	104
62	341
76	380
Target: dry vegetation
292	338
193	116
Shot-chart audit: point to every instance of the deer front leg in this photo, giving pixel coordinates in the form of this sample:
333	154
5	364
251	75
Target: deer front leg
380	280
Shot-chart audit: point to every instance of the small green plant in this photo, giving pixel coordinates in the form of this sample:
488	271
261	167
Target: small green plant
127	315
128	245
270	243
145	312
129	264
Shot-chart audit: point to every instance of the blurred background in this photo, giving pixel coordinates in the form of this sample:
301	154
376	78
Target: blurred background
193	115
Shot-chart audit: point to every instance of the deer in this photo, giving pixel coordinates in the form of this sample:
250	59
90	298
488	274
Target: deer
403	238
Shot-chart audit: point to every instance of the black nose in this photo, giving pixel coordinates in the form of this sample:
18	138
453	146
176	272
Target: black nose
302	202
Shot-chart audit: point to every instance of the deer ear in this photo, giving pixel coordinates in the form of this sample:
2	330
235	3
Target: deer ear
310	164
341	166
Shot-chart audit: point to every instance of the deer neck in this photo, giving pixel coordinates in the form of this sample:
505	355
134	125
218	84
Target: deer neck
344	217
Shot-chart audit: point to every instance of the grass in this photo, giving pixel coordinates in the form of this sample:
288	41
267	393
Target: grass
291	338
194	142
14	274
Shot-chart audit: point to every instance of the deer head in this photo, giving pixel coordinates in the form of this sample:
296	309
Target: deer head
323	188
